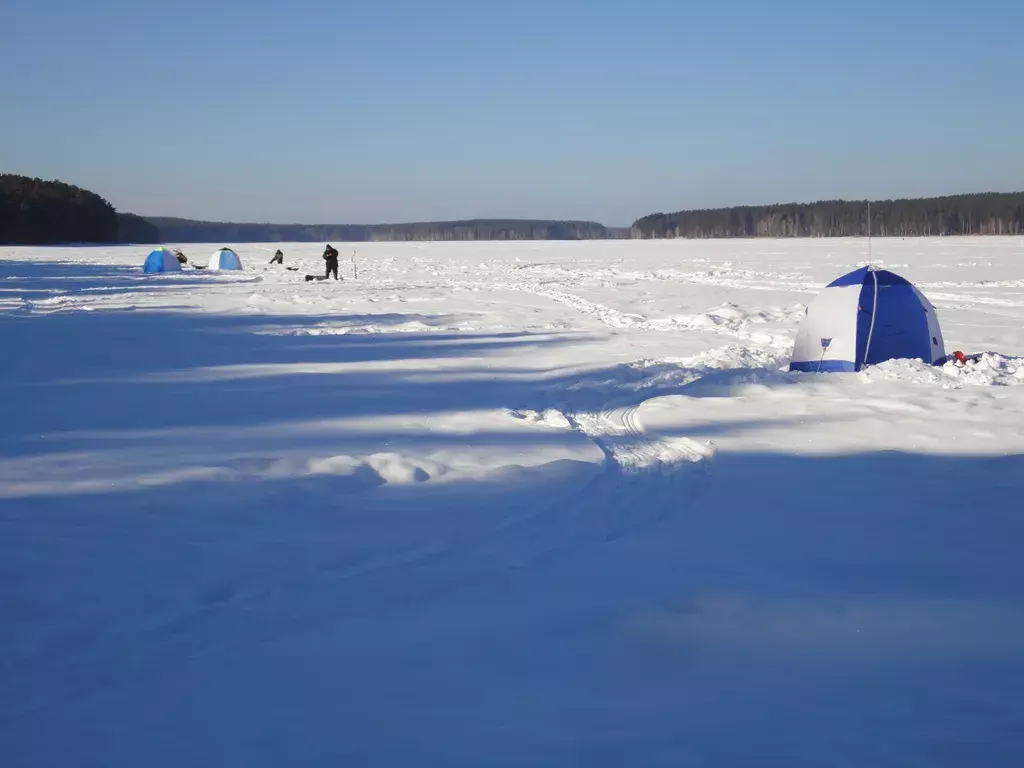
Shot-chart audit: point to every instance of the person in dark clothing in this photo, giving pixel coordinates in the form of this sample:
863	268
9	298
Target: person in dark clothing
278	257
180	256
331	257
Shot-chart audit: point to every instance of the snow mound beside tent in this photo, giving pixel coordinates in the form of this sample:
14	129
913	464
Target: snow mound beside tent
990	369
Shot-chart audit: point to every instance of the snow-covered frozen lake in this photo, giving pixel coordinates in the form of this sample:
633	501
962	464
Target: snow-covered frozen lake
505	504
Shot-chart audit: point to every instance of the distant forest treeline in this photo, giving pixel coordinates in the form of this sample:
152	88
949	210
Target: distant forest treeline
50	212
37	212
33	211
135	229
990	213
188	231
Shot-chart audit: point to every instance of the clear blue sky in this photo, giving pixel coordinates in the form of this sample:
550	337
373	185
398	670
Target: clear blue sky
393	110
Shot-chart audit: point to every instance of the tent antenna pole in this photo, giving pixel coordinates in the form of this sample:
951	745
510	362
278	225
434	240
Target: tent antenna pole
869	233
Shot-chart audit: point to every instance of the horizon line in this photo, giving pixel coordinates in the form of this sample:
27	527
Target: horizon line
522	219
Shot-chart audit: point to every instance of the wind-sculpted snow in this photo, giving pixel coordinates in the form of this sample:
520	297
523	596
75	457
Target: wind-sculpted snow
506	504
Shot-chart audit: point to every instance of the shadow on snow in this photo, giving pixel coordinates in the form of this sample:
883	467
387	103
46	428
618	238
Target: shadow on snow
866	607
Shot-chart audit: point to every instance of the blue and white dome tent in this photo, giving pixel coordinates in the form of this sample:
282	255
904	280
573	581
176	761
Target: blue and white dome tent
863	318
225	258
161	260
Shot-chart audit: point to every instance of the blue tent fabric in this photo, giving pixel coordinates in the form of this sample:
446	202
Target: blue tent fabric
863	318
161	260
225	258
864	274
900	325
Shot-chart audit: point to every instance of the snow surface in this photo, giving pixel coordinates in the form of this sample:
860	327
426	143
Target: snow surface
506	504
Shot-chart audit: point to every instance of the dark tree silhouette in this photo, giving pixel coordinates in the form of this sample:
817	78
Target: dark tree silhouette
990	213
47	212
187	230
135	229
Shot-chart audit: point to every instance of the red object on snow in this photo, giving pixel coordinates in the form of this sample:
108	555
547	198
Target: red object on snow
960	358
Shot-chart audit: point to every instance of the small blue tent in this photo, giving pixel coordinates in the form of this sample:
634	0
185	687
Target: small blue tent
225	258
863	318
161	260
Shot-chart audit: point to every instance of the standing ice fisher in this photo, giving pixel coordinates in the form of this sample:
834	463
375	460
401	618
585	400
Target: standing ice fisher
331	257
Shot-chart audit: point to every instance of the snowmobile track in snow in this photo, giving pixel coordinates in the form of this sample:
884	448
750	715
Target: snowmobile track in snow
628	448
